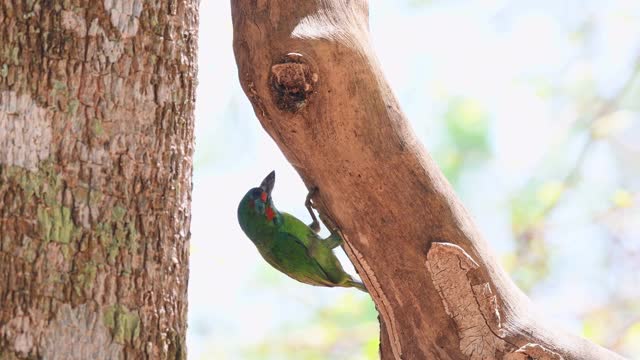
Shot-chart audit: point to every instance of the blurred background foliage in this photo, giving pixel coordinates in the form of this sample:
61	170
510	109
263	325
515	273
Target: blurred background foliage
531	110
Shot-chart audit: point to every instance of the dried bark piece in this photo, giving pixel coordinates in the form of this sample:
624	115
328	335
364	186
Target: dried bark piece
471	307
533	352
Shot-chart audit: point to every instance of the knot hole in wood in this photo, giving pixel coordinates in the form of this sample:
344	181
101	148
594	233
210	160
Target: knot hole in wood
292	82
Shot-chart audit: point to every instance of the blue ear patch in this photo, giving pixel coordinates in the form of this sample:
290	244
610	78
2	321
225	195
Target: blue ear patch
259	207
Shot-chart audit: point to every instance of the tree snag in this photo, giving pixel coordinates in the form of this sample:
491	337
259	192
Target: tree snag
96	137
331	112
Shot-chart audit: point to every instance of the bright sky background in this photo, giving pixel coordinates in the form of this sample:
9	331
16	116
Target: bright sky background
505	55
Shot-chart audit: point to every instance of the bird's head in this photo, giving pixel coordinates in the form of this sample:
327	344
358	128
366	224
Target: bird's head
258	200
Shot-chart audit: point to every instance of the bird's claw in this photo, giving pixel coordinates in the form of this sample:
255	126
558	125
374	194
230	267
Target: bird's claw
315	224
309	200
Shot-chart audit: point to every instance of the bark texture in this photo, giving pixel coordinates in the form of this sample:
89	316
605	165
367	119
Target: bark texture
96	138
315	84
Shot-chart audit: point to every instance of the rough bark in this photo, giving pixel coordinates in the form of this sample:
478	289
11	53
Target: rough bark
317	89
96	138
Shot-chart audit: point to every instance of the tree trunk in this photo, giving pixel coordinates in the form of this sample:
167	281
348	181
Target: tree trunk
96	138
315	84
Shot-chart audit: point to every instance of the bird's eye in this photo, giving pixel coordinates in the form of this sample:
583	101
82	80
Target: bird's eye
255	193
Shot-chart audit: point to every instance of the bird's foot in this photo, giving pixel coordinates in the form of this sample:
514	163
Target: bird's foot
333	241
315	224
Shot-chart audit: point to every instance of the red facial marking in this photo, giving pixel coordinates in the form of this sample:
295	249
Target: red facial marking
270	214
263	196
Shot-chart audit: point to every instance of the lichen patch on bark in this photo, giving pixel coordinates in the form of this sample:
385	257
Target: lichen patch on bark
124	15
472	308
82	330
112	49
124	324
74	22
25	131
19	331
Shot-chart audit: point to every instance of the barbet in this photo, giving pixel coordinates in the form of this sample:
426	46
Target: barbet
290	245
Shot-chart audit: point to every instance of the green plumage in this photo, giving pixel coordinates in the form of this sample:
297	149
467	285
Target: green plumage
288	244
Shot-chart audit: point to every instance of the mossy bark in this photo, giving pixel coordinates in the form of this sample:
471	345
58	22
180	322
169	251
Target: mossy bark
96	140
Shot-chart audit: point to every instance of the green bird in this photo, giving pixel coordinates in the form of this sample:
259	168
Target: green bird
288	244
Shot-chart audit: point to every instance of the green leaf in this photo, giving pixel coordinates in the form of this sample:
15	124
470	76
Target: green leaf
468	126
549	193
622	199
611	124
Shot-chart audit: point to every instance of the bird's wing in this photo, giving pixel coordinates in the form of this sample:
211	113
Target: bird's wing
288	253
306	249
296	228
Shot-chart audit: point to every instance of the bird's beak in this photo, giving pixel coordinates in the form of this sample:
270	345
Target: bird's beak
269	182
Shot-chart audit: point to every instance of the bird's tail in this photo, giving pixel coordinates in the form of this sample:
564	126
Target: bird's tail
358	285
